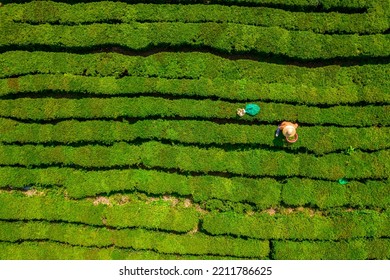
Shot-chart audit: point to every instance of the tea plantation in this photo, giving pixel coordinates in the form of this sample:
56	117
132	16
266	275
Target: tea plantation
119	137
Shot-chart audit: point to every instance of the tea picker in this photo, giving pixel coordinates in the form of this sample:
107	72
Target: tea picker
289	131
250	109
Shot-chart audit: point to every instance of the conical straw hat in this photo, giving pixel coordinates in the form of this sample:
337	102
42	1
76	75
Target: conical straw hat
289	131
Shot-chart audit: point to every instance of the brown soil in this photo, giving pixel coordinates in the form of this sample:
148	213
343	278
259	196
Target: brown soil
101	200
171	199
271	211
33	193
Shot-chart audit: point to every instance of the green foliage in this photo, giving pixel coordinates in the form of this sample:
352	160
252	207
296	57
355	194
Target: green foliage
85	13
204	87
302	226
35	250
350	150
138	239
154	154
190	65
326	194
315	139
116	107
60	156
321	250
223	37
264	193
79	184
137	214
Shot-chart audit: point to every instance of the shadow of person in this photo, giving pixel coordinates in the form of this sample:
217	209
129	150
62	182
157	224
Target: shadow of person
279	141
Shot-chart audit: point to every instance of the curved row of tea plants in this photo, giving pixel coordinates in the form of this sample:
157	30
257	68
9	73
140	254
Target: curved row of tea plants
86	13
263	192
323	194
333	226
254	162
225	37
187	65
46	250
138	239
142	155
52	110
298	4
355	249
318	139
80	184
238	90
137	214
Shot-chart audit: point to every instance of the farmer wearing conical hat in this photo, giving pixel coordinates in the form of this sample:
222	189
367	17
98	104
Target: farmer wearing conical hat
289	131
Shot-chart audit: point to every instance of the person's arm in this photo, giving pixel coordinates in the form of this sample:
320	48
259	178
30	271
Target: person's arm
282	125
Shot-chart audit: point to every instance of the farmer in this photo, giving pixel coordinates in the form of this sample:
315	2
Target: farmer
289	131
250	109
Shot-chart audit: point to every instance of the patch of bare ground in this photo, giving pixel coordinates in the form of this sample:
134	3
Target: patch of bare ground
195	230
123	200
152	199
200	209
170	199
288	211
309	211
33	193
173	200
312	212
187	202
101	200
270	211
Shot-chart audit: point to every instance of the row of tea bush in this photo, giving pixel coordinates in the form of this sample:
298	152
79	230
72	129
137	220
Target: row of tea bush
238	90
153	154
137	239
224	37
314	139
188	65
262	192
38	12
53	110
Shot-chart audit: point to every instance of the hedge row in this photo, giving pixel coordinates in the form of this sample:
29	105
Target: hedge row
224	37
325	4
55	251
317	139
194	244
243	90
48	109
257	162
359	249
289	250
334	226
264	193
323	194
190	65
134	214
54	13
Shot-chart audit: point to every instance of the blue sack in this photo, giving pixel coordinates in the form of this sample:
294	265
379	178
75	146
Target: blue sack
252	109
